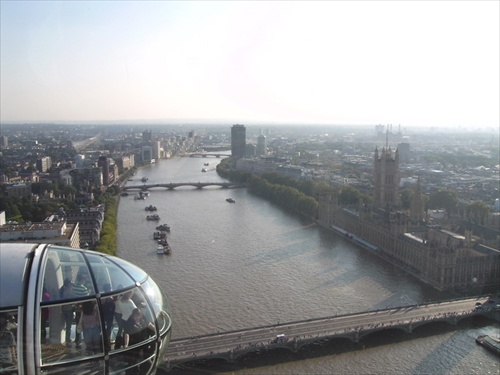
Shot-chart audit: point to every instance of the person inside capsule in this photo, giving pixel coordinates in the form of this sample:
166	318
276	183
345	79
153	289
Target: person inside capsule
57	313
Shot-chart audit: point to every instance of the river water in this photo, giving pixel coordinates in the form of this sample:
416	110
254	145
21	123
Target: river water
249	264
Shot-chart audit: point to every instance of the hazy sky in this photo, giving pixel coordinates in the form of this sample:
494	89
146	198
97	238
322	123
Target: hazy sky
414	63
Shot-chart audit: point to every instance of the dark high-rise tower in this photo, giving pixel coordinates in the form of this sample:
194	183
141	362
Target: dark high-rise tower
147	136
238	141
104	163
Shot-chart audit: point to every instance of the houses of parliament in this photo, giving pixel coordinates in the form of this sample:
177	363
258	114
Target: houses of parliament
449	261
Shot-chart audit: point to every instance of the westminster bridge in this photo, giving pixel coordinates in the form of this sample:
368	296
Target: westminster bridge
292	336
173	185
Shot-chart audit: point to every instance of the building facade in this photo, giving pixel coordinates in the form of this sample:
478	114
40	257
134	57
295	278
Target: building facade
147	135
53	232
147	154
261	145
386	178
44	164
404	152
90	224
447	260
156	145
18	190
238	141
4	141
103	163
443	259
125	162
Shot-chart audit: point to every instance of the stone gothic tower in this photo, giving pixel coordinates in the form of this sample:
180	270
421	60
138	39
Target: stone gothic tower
417	209
386	178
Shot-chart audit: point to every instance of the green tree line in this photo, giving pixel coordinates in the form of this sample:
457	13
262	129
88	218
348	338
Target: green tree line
111	197
284	196
109	235
291	194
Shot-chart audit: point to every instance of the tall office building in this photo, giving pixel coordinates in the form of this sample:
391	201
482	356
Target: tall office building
44	164
404	152
238	141
4	141
105	163
156	150
261	145
147	154
147	136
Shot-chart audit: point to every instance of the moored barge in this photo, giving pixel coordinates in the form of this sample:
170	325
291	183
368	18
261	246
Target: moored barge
490	343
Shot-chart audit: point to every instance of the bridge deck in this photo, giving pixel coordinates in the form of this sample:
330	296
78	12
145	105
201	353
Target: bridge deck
173	185
352	326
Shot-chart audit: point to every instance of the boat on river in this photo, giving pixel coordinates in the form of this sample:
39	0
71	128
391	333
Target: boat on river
163	228
490	343
142	195
163	250
159	235
230	200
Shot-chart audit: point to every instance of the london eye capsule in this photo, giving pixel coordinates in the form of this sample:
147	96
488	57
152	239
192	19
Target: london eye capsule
74	311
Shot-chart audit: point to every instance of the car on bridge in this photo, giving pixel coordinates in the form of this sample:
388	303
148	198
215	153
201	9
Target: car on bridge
280	338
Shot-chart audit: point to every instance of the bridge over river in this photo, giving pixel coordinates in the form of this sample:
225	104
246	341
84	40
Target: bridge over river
208	154
294	335
173	185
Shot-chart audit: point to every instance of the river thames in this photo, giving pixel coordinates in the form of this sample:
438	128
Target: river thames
249	263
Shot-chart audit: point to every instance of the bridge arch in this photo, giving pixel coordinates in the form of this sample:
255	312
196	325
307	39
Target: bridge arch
376	332
337	340
429	323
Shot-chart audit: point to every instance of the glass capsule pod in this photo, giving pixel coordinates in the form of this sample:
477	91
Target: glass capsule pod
75	311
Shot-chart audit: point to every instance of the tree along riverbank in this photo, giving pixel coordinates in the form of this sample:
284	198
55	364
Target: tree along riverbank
111	197
296	196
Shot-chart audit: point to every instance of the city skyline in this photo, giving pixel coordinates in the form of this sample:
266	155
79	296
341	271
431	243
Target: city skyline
431	64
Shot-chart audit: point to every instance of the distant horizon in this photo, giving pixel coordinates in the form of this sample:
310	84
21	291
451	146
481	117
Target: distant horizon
154	123
432	64
222	122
